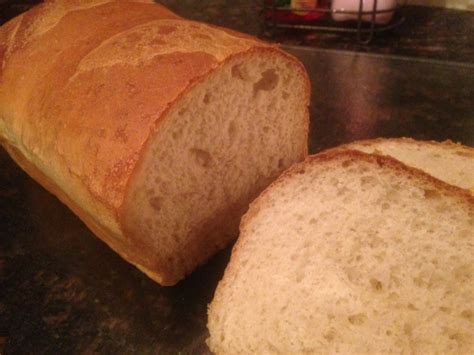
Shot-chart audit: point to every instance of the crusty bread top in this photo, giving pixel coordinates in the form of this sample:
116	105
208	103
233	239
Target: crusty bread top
340	255
447	161
82	85
85	66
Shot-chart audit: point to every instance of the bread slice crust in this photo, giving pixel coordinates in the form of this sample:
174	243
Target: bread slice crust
437	154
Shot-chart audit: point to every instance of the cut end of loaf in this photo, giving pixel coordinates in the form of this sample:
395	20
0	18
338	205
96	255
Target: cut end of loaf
220	144
350	253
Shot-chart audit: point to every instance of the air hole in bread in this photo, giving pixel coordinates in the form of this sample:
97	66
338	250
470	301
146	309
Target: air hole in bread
272	105
367	180
430	194
380	257
407	329
156	203
412	307
177	134
232	131
148	222
346	163
281	163
468	314
458	337
393	296
348	199
244	263
207	98
203	36
463	273
418	281
267	82
157	42
164	30
329	335
238	72
312	221
465	233
343	191
266	129
202	157
376	285
285	95
445	309
357	319
299	277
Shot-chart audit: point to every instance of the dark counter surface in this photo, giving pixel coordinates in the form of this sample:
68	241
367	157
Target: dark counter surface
63	291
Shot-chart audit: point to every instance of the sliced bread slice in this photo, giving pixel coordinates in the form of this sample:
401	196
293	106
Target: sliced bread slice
447	161
350	253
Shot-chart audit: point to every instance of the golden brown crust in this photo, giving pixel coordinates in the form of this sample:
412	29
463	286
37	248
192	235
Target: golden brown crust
332	154
83	85
456	148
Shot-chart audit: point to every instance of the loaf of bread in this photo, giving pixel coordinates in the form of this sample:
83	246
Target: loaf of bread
350	253
447	161
156	131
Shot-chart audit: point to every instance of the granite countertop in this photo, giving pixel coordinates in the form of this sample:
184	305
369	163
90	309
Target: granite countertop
63	291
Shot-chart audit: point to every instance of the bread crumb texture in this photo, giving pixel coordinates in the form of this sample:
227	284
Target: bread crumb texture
350	253
219	147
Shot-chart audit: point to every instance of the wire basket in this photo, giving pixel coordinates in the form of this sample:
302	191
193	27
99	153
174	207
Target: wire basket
363	24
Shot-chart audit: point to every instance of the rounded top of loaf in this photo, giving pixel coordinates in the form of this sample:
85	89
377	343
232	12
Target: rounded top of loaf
96	79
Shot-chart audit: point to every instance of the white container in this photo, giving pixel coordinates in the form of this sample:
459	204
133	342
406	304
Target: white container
368	5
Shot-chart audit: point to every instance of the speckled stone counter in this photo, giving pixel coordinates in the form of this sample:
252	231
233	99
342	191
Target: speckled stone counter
62	291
